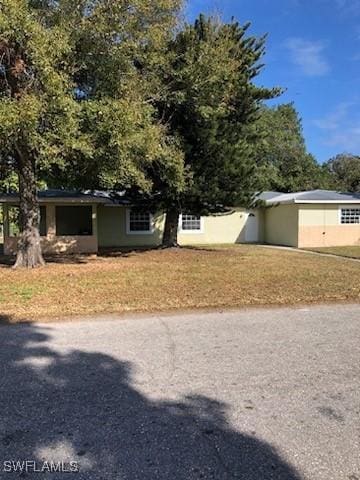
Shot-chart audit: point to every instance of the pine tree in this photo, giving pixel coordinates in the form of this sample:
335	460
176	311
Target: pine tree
283	162
211	104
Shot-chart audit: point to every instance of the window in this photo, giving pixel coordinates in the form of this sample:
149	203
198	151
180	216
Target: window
191	223
74	220
138	222
350	215
43	226
14	221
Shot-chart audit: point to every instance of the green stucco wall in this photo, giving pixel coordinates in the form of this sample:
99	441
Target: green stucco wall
228	228
112	229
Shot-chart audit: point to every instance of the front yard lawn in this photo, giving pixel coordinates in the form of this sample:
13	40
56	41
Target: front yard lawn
351	252
187	278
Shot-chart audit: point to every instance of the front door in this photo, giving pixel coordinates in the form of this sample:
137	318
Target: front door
252	227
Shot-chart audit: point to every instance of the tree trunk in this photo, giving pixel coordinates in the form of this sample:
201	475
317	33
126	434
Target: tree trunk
29	253
171	228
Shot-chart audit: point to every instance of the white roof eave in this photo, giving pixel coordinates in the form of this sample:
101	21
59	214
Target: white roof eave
273	203
339	202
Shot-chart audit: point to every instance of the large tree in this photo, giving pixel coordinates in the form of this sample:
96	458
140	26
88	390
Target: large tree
344	172
77	86
283	161
210	102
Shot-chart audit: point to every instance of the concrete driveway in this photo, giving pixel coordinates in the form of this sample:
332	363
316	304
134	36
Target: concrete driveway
251	395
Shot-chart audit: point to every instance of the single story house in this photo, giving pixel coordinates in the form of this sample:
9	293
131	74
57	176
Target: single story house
83	222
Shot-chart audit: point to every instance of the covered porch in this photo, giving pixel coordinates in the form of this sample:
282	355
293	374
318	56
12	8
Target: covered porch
67	225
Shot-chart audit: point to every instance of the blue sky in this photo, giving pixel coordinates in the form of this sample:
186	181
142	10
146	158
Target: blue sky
313	50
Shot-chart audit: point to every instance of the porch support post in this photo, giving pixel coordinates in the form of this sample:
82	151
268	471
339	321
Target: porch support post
6	223
50	221
95	225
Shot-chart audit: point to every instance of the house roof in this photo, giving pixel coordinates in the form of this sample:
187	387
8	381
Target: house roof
312	196
72	196
120	198
267	195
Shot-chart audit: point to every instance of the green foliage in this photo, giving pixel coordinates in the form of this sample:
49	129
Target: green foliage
8	178
211	103
77	84
37	109
343	172
283	162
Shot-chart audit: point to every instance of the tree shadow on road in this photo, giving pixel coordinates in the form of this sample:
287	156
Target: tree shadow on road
72	405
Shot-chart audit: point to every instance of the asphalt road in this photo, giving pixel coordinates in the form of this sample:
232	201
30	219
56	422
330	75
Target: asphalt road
251	395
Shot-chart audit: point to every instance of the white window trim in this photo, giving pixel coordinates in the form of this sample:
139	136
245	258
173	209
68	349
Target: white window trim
139	232
340	215
191	232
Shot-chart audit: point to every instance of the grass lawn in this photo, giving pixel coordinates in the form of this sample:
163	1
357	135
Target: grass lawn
164	280
351	252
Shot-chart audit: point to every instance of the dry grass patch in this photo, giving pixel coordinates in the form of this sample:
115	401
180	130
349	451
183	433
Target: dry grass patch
175	279
350	252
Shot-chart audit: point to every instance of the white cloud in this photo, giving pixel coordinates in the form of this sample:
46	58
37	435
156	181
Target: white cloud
357	32
309	56
356	57
351	7
341	127
347	140
334	119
